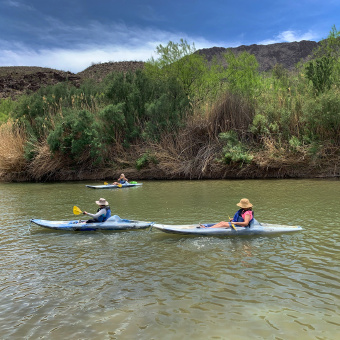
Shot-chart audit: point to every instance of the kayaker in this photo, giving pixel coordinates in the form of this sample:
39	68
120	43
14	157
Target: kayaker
121	180
242	218
102	214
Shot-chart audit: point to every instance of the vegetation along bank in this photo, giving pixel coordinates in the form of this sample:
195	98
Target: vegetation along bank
181	116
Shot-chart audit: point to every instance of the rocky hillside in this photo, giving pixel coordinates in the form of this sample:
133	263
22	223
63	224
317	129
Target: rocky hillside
100	71
286	54
16	80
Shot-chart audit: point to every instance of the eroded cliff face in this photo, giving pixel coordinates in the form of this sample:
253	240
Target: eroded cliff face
16	80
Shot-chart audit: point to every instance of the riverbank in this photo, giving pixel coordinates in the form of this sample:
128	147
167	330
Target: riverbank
261	167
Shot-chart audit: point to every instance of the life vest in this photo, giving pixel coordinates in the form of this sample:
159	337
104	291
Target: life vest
103	218
122	181
238	218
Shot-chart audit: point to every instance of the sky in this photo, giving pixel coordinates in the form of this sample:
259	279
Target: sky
71	35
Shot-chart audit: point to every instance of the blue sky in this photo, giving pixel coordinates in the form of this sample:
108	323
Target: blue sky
70	35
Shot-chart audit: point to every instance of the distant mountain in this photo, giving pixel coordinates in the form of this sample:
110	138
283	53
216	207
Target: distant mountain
16	80
286	54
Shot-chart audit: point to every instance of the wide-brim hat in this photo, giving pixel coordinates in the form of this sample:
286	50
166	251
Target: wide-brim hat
244	203
102	201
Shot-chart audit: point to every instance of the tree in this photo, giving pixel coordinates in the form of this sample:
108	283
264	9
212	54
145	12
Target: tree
242	73
319	72
178	60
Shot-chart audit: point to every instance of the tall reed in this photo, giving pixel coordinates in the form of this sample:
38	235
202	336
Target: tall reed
12	142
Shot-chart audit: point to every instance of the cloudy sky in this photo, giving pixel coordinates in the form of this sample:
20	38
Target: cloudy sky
70	35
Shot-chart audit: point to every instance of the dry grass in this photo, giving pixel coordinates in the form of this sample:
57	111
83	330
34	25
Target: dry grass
231	112
193	151
45	165
12	142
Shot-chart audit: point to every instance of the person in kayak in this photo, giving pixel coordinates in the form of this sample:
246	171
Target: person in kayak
102	214
121	180
242	218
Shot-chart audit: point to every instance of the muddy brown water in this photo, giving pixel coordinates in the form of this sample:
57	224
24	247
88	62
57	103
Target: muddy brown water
152	285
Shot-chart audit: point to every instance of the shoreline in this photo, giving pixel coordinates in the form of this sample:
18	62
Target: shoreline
250	171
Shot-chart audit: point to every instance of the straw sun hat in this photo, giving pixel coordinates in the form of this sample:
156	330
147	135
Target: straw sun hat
244	203
102	201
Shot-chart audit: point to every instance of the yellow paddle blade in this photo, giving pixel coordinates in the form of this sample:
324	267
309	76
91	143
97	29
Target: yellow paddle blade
105	183
119	185
233	226
76	210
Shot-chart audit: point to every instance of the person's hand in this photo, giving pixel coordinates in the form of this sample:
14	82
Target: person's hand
85	213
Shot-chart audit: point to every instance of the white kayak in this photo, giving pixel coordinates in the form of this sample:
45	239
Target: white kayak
114	186
112	223
256	229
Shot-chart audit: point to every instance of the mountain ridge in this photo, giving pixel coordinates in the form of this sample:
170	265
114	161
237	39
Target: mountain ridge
16	80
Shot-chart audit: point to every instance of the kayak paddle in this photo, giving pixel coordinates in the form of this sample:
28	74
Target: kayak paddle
232	224
77	211
118	185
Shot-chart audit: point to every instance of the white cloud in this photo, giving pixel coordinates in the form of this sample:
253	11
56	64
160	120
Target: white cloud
78	59
290	36
75	48
17	4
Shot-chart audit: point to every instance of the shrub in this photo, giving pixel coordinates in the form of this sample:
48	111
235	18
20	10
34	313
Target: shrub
6	107
145	160
234	151
76	134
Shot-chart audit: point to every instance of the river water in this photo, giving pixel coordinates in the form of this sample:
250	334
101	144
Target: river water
151	285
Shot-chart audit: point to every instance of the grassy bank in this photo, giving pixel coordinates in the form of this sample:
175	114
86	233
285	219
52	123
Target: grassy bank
181	117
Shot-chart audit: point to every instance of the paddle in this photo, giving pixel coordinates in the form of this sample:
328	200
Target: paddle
233	226
77	211
118	185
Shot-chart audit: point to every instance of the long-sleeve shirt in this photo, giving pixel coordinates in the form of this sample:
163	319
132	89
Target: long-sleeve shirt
98	213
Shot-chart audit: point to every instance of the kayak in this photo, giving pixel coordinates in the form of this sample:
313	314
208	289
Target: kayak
112	223
114	186
256	229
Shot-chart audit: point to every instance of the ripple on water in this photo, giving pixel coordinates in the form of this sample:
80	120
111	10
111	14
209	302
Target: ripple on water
140	284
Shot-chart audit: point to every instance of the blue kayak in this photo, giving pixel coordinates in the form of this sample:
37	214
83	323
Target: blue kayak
113	186
112	223
256	229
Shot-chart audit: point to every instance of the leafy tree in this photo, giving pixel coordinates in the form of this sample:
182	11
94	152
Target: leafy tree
242	74
144	106
75	134
324	71
319	72
178	60
330	47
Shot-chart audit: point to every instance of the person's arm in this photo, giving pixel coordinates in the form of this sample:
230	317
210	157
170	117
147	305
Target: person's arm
98	214
247	219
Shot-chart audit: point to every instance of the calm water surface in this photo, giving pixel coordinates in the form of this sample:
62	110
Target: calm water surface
152	285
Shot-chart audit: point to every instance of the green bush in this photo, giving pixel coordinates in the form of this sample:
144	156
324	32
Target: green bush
234	151
148	106
75	134
322	117
319	72
6	108
145	160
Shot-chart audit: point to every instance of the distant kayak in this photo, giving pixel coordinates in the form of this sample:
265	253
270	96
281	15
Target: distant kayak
256	229
113	186
113	223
